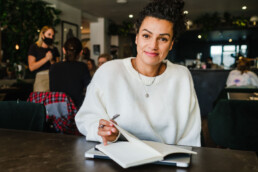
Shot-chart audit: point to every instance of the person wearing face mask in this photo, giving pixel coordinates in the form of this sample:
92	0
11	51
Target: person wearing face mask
40	57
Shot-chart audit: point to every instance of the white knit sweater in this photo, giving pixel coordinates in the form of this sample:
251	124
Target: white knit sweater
170	114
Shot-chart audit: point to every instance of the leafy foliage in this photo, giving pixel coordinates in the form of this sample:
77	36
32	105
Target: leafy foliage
124	29
208	22
21	20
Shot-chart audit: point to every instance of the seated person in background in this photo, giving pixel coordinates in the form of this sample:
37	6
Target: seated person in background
70	76
242	76
103	58
210	64
155	98
91	66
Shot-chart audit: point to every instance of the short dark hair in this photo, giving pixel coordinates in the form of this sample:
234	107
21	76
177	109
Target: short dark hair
73	47
170	10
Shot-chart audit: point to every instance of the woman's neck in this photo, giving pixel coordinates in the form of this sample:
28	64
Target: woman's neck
148	70
44	45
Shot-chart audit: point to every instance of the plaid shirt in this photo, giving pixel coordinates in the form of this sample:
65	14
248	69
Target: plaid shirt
57	120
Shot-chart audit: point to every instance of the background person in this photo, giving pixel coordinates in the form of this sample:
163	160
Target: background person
70	76
40	57
85	53
242	76
103	58
210	64
155	98
91	66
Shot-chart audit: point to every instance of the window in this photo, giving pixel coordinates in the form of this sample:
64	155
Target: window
216	52
226	54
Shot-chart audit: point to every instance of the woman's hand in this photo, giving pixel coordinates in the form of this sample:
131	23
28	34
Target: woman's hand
49	55
108	132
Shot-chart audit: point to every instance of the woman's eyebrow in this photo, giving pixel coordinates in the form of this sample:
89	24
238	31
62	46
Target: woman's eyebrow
147	31
162	34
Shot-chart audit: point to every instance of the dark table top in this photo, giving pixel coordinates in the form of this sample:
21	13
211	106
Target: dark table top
242	96
9	89
36	151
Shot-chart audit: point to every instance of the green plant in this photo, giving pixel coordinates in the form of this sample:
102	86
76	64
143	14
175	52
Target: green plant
124	29
208	22
21	20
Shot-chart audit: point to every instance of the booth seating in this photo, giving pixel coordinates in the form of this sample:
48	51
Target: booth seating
234	124
208	85
60	111
21	115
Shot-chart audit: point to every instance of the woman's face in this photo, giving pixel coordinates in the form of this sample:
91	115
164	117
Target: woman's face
154	40
49	34
90	66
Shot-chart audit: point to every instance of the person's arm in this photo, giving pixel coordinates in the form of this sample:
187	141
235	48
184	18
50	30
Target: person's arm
33	64
56	56
55	61
253	79
86	76
92	114
230	80
192	132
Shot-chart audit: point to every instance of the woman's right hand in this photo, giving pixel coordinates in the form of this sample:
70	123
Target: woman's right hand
49	55
108	132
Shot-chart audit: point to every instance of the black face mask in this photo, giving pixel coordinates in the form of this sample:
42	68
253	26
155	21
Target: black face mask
48	41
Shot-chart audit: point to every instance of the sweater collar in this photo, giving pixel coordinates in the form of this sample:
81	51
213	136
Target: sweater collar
145	79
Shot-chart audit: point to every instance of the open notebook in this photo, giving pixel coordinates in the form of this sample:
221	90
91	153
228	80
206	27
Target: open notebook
137	152
179	160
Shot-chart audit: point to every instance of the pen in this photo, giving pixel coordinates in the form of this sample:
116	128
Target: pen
113	118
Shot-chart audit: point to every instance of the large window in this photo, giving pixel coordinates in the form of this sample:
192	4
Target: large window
226	54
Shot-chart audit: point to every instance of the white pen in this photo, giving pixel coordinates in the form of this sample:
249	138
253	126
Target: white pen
113	118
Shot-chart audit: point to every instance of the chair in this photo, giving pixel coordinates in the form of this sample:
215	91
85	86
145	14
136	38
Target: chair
60	111
22	115
234	124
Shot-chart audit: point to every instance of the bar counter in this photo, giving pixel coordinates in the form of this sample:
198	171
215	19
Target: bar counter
36	151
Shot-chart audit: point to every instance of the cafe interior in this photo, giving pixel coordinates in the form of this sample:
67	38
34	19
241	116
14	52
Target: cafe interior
224	31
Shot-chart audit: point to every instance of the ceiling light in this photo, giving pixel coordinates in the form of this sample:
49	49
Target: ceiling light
17	47
130	16
199	36
185	12
121	1
230	40
244	7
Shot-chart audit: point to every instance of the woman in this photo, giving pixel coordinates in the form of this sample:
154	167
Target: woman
155	98
41	55
91	66
242	76
103	58
70	76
